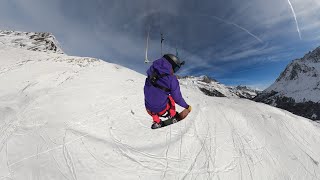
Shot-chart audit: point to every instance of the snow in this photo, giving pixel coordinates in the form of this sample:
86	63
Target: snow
196	82
232	92
65	117
29	40
314	116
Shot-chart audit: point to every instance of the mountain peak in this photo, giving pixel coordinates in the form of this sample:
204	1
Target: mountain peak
34	41
313	56
297	87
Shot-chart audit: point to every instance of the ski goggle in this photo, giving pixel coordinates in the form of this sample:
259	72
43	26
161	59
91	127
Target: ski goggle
175	69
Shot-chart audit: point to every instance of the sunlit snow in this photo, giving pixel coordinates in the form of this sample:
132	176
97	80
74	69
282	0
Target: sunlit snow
65	117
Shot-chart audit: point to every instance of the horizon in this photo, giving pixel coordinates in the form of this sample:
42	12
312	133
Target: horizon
248	43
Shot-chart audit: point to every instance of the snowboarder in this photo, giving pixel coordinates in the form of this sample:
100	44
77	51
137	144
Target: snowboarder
162	91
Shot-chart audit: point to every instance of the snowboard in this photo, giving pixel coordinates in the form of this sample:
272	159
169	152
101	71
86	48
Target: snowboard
166	123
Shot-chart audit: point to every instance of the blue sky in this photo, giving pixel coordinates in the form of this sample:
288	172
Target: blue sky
236	42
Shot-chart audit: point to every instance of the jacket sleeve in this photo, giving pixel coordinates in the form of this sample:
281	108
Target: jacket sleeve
176	93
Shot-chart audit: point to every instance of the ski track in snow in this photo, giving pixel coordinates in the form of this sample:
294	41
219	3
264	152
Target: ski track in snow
86	120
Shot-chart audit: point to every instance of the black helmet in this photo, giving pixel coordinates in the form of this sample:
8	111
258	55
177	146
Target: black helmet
174	61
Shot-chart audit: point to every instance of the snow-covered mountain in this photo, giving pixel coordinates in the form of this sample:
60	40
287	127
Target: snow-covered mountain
212	87
65	117
32	41
298	87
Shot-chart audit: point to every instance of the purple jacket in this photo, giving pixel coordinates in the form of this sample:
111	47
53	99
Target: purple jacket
157	99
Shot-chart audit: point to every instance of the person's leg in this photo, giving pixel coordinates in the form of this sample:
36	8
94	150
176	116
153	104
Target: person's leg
154	116
172	110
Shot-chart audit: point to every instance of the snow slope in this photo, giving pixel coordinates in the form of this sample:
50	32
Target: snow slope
66	117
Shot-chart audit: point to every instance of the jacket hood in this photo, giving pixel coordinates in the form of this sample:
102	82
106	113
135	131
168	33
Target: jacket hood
162	65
